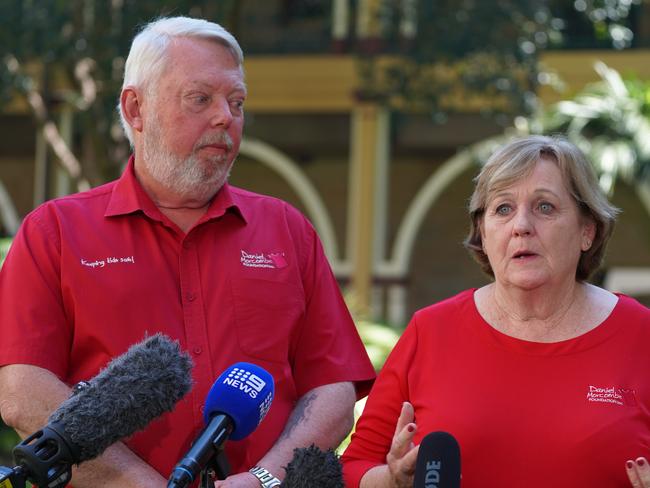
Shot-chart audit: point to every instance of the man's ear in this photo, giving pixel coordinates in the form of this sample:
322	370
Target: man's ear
131	103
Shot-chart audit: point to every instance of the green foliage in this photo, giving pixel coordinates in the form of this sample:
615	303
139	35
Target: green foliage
8	439
610	121
457	51
80	45
4	248
482	48
608	19
379	340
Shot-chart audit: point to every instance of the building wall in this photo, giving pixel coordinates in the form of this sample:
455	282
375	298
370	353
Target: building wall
440	265
318	141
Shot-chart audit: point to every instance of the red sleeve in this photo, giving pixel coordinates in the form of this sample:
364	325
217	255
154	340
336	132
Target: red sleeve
328	348
33	324
376	427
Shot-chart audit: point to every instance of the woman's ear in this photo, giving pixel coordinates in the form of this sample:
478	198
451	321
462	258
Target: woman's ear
588	234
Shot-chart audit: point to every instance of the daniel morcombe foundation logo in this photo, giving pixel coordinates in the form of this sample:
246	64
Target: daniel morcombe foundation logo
611	395
274	260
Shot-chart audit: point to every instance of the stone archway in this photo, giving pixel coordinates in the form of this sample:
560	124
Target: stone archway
8	214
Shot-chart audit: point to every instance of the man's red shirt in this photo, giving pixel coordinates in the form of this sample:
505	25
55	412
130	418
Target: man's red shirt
92	273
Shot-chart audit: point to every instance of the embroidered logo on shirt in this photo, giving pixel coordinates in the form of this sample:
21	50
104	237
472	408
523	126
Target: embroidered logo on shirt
101	263
274	260
613	395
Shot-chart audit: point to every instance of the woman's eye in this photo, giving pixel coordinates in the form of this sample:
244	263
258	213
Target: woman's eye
503	209
545	207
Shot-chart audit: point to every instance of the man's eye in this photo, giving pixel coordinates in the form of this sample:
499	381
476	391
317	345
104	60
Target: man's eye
237	105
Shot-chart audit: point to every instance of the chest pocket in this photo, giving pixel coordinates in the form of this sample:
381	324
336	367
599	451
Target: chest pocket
268	316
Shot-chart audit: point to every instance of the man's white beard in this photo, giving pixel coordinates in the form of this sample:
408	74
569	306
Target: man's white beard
190	178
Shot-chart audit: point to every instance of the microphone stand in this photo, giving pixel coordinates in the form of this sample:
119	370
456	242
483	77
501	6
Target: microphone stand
12	478
44	458
217	468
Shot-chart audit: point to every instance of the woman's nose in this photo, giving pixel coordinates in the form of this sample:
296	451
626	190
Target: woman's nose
522	223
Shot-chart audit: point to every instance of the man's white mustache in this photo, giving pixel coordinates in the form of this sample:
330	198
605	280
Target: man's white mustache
220	138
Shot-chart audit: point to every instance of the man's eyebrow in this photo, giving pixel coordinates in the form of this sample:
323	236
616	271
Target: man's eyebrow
241	86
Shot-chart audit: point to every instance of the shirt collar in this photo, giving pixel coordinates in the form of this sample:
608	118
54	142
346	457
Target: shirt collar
128	197
224	201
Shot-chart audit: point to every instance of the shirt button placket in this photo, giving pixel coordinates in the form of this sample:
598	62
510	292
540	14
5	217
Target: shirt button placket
194	321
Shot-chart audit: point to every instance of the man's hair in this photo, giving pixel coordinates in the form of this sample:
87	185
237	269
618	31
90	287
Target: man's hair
515	161
147	58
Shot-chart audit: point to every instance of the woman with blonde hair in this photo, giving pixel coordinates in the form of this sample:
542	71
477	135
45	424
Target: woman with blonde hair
540	376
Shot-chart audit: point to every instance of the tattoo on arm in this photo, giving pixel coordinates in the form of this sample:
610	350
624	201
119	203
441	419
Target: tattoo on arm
300	413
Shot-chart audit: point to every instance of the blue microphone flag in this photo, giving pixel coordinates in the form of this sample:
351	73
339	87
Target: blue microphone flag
244	392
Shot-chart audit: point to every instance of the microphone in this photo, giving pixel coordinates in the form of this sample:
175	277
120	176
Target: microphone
438	463
310	466
135	388
236	404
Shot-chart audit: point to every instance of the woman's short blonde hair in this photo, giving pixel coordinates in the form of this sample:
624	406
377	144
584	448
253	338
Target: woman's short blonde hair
515	161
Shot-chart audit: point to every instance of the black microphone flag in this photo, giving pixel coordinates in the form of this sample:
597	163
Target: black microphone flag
438	463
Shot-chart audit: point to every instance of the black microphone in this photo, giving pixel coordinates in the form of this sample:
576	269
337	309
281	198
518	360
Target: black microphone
438	463
311	466
135	388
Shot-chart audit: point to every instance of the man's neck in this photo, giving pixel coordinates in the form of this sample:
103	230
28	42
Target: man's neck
184	210
184	217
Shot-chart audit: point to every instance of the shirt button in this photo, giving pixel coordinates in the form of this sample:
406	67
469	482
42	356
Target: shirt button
190	296
198	350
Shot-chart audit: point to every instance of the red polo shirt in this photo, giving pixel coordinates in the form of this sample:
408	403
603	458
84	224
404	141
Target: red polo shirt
92	273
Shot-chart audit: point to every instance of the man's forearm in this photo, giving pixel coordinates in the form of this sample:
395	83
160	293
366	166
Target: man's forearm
323	416
29	394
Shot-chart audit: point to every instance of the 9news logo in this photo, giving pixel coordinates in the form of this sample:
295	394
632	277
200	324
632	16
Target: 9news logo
245	381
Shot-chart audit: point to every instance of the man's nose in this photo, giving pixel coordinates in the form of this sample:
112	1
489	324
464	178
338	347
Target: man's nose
221	115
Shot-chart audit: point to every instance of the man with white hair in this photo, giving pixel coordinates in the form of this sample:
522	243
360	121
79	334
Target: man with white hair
171	247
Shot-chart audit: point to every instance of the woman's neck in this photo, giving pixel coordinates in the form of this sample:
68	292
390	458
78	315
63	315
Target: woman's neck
540	304
544	315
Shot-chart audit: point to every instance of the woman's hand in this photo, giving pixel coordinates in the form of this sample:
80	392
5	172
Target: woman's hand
639	472
403	454
401	459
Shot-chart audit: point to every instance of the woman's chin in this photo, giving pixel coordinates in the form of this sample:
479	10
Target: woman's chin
528	281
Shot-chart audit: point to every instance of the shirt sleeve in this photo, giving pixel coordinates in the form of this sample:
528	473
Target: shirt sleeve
33	323
374	432
328	348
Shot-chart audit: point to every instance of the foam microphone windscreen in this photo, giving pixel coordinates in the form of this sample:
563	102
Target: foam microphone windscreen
134	389
130	392
438	462
244	392
311	467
